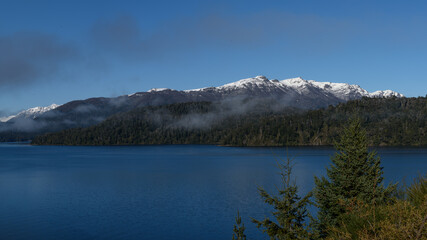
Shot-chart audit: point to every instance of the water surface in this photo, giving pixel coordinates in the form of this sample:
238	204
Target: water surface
154	192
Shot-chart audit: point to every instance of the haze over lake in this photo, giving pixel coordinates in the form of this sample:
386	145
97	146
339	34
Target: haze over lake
154	192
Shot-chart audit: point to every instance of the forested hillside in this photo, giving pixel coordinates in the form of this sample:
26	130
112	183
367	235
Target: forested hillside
389	122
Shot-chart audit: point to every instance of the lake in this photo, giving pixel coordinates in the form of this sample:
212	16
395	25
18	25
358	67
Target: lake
155	192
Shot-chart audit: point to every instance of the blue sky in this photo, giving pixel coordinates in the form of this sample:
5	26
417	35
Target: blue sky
58	51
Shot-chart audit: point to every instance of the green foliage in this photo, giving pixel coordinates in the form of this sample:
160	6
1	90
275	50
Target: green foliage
388	122
239	229
354	175
418	191
353	203
401	219
290	210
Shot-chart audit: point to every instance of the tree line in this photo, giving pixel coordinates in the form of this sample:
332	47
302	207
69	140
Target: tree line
388	122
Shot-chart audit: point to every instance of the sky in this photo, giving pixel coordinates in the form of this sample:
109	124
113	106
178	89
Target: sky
59	51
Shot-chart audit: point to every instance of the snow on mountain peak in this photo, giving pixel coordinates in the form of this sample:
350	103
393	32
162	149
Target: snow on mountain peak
258	81
295	82
261	85
5	119
39	110
297	79
35	111
30	113
342	91
158	89
261	77
386	94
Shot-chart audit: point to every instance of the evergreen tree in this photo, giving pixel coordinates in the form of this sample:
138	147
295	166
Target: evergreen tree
354	175
290	209
239	229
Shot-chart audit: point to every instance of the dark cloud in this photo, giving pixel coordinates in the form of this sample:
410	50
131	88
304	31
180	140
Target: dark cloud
31	56
125	38
120	36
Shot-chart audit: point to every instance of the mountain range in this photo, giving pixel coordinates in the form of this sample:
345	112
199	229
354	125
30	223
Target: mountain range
241	95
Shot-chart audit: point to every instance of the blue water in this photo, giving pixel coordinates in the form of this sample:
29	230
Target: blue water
154	192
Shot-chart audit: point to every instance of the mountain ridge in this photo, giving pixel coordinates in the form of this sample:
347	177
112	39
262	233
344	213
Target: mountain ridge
298	84
30	113
242	96
342	91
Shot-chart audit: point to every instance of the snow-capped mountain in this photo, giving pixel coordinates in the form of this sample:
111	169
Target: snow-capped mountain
242	96
299	86
294	92
7	118
385	94
30	113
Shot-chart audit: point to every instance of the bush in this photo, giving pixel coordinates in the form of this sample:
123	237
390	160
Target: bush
403	219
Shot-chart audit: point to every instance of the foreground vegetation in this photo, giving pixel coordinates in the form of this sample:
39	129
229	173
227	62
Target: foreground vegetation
352	201
388	122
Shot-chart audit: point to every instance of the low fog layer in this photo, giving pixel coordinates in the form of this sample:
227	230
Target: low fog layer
84	114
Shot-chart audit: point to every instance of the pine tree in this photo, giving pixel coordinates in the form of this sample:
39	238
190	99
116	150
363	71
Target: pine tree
290	209
354	175
239	229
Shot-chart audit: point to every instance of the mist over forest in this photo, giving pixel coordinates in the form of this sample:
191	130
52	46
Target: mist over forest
389	122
